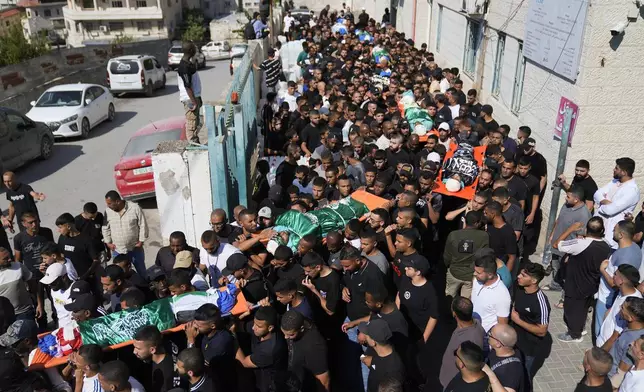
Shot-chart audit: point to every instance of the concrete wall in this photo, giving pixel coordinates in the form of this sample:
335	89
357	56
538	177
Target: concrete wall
25	82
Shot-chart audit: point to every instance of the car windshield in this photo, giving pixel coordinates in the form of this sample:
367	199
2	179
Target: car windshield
124	67
176	50
145	144
60	98
237	48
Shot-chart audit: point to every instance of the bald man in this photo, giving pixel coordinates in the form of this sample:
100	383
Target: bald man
504	360
597	364
236	212
21	197
221	227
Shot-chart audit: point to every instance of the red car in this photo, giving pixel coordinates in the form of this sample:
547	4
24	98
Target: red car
133	173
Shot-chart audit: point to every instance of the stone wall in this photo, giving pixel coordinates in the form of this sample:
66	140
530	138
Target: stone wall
25	82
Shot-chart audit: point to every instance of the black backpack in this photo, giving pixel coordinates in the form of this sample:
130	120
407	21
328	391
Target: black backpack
249	31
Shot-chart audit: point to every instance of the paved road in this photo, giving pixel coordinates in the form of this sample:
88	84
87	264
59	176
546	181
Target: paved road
82	170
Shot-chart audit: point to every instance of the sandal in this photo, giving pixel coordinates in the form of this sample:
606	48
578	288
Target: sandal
560	304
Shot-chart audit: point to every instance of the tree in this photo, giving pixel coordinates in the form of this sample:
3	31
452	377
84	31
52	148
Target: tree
193	25
15	48
123	39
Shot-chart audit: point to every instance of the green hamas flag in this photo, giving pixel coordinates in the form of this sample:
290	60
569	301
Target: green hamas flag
121	326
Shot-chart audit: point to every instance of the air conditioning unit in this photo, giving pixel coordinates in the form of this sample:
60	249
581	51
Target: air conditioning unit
474	7
104	28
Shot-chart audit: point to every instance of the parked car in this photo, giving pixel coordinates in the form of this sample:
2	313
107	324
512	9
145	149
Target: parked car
234	62
302	15
238	49
133	173
73	109
216	50
22	140
137	73
175	54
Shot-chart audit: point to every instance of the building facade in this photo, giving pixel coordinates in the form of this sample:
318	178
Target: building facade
103	21
8	18
44	16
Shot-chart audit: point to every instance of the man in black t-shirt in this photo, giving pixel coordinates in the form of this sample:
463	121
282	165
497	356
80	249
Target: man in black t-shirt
149	347
21	197
269	353
532	210
89	222
190	364
77	247
504	360
470	361
583	179
531	310
502	237
285	173
256	287
597	363
538	164
384	362
310	136
516	186
308	369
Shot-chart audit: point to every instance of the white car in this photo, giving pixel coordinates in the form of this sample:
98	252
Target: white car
73	109
175	54
216	50
238	49
136	73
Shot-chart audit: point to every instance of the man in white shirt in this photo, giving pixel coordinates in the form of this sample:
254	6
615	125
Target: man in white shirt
452	98
490	297
58	281
115	376
626	278
617	198
634	379
85	364
213	257
288	23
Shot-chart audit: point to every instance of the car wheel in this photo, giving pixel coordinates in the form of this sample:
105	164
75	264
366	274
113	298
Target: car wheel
149	89
85	128
163	82
46	148
111	112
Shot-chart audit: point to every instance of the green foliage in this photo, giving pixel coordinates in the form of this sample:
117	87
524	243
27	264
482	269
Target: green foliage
193	25
15	48
123	39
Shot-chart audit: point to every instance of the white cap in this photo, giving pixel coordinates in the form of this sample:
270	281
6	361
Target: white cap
265	212
434	157
444	126
53	272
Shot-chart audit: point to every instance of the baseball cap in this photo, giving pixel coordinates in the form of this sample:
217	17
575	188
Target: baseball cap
183	259
234	263
406	170
154	273
444	126
82	302
53	272
529	143
80	287
487	109
418	263
265	212
376	329
433	157
20	329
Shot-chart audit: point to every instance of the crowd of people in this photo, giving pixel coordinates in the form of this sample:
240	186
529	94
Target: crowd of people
429	292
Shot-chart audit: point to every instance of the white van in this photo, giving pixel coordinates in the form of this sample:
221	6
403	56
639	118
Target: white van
136	73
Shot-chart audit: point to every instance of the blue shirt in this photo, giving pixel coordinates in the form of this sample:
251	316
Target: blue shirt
630	255
620	348
505	275
259	27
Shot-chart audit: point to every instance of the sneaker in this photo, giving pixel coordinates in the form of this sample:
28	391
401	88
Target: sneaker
551	287
548	269
584	333
566	338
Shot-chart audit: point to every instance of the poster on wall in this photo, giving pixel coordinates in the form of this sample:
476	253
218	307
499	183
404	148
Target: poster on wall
560	122
554	32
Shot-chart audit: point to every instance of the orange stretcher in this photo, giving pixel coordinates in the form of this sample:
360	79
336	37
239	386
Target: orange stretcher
42	361
423	139
468	191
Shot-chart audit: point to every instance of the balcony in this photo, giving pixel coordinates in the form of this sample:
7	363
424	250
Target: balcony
114	12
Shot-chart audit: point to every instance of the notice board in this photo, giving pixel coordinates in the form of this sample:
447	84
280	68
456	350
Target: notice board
554	32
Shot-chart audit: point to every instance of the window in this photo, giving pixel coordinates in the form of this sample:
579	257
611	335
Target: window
58	11
16	120
96	91
89	4
148	64
439	27
116	26
68	26
28	13
89	26
47	12
518	81
498	64
144	25
472	43
117	4
160	25
141	3
35	13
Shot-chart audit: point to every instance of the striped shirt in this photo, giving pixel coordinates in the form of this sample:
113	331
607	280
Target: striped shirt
125	228
272	68
91	384
534	309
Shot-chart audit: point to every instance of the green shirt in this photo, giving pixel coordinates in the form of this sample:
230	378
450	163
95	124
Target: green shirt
459	251
300	59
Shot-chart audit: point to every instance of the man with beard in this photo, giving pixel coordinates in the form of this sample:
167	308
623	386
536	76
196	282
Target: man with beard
269	353
490	297
395	153
114	284
486	179
149	347
248	243
617	198
221	227
383	167
502	236
190	364
476	204
532	210
167	254
583	179
311	134
516	186
538	164
58	281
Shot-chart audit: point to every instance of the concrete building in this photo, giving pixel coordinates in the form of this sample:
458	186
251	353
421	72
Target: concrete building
102	21
8	3
44	15
9	17
212	8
